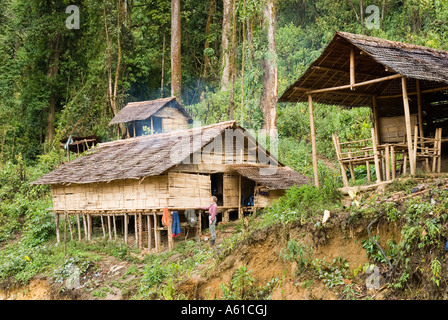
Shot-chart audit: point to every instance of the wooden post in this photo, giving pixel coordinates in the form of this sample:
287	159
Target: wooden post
439	151
79	227
393	158
149	231
115	227
420	112
199	223
407	116
125	217
376	119
84	221
109	228
70	227
387	166
58	236
140	232
240	212
156	233
170	233
136	230
102	227
338	153
313	141
375	155
65	234
415	145
352	68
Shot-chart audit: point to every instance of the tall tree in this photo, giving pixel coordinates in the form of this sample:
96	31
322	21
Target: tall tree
225	48
268	100
176	68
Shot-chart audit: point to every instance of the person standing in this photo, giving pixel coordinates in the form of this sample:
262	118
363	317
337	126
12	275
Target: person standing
212	211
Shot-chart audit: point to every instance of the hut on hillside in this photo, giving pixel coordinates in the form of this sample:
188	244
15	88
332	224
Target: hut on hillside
155	116
405	85
130	182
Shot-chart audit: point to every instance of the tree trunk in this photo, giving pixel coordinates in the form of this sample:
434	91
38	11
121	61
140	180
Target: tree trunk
232	66
268	100
211	12
176	69
53	68
361	9
225	52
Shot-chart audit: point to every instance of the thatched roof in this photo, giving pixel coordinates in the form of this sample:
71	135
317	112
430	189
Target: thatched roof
283	178
133	158
144	109
374	58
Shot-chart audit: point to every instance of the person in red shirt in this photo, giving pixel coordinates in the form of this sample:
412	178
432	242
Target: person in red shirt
212	211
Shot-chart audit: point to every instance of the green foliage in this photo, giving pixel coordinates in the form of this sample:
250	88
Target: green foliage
297	252
242	287
332	274
372	249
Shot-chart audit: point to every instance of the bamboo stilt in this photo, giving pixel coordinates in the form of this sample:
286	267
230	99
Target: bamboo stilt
125	222
70	228
393	160
109	228
102	227
115	227
375	155
313	140
84	221
407	116
58	236
140	233
136	230
387	166
148	217
79	227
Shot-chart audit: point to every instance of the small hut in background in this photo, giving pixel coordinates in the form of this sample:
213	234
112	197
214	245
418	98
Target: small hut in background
150	117
126	185
405	85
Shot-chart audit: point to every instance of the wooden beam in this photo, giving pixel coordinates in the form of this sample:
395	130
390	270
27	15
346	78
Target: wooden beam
352	68
313	140
414	93
407	116
148	217
109	228
360	84
115	227
125	222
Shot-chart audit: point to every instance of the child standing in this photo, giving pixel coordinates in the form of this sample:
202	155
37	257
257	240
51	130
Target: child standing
212	211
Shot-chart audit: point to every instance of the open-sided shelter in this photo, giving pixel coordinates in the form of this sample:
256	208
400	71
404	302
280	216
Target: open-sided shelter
404	84
137	178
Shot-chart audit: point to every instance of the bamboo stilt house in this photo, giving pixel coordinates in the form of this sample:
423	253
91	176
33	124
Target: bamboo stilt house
405	85
132	181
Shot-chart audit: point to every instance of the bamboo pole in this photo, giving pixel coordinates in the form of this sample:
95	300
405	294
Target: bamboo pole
170	233
338	153
313	140
407	116
393	159
156	234
89	226
140	233
58	236
115	227
415	145
375	156
65	234
79	227
376	119
85	226
240	213
70	228
125	216
109	228
352	68
365	83
148	217
439	152
102	227
136	229
387	166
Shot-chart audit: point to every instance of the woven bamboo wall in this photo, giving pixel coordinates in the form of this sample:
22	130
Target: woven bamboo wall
188	190
231	190
393	129
172	119
262	201
152	192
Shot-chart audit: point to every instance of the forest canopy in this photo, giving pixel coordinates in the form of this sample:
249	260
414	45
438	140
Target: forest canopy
57	81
